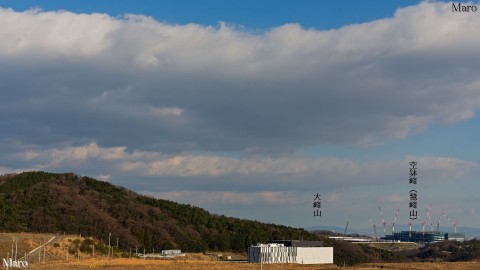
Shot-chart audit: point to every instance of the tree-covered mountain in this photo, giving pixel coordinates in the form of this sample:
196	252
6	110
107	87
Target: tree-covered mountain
72	204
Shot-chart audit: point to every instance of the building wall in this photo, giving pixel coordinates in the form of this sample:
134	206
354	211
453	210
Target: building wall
314	255
282	254
459	237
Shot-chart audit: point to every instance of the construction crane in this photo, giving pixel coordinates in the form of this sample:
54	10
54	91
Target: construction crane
423	227
442	214
454	225
453	222
383	222
424	221
374	229
346	227
409	229
393	222
429	218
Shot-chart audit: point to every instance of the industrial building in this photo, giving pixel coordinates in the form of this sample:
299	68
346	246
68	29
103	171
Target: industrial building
297	243
301	252
424	237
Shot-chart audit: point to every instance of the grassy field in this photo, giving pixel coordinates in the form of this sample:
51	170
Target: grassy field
134	264
54	257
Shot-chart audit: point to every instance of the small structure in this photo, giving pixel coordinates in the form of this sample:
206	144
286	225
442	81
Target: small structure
297	243
279	253
171	252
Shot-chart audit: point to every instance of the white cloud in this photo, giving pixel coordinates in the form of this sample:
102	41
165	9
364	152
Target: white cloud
167	111
102	177
191	107
150	163
187	165
36	32
446	167
7	170
394	198
86	153
215	197
225	89
191	165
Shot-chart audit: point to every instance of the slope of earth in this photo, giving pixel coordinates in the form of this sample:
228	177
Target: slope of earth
71	204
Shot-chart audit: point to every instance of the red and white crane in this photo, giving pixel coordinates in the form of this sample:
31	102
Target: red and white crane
452	221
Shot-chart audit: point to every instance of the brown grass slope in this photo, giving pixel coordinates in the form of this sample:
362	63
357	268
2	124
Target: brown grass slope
72	204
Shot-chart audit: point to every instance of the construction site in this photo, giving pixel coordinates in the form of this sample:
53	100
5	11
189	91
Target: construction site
415	236
415	215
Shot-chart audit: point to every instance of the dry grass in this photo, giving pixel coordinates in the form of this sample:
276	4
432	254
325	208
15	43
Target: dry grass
134	264
56	260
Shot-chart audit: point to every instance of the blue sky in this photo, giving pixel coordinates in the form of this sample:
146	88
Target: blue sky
248	13
248	108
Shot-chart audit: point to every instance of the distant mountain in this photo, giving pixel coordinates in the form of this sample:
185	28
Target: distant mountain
469	231
327	228
72	204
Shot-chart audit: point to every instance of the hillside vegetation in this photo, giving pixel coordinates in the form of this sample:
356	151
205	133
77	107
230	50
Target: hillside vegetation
72	204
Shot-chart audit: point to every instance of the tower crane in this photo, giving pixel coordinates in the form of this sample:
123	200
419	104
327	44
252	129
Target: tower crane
429	218
346	227
393	222
374	229
383	222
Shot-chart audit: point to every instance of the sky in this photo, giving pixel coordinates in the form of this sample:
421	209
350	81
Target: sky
250	108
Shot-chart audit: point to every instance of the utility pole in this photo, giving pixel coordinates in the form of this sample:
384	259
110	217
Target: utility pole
261	259
109	235
13	242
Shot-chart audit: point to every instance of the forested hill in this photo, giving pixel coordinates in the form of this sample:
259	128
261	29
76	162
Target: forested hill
72	204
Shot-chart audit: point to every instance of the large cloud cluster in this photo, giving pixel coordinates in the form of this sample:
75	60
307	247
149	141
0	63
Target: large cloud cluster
143	84
136	97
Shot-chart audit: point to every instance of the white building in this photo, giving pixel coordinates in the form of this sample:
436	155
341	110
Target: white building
171	252
278	253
